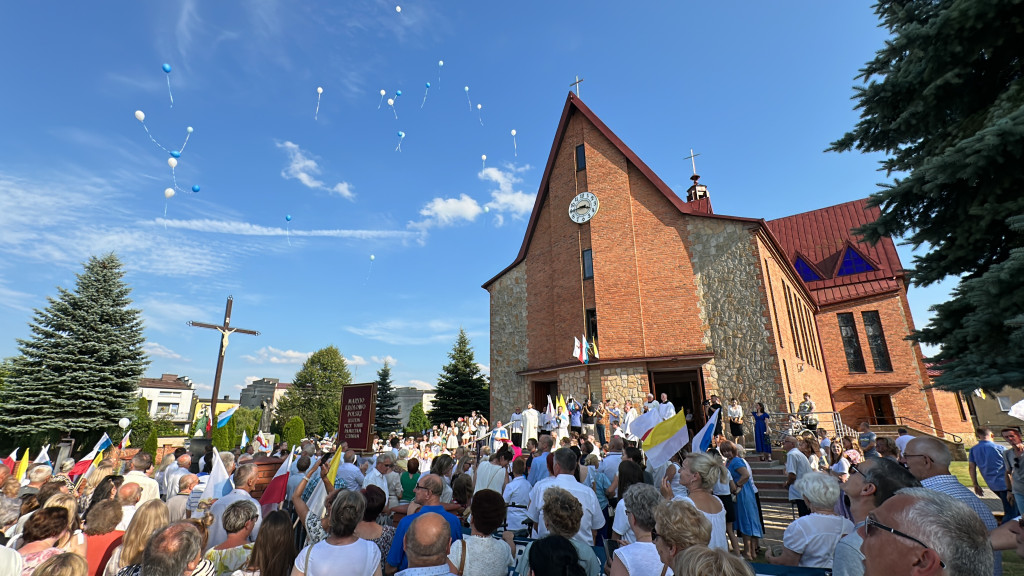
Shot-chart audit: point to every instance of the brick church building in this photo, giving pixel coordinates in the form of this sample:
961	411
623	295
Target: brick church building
687	302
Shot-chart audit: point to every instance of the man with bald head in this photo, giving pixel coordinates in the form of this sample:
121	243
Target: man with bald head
426	544
426	493
928	460
128	496
349	473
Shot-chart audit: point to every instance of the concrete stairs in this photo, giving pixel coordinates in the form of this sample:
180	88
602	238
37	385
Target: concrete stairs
769	478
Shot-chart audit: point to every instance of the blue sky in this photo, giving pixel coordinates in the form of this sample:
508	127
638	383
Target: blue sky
757	89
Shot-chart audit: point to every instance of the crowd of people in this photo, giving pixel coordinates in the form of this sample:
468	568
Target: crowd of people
467	499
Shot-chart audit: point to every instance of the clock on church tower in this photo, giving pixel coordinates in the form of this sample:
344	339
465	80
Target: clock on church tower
583	207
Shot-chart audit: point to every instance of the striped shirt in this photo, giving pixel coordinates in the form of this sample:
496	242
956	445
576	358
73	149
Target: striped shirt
950	486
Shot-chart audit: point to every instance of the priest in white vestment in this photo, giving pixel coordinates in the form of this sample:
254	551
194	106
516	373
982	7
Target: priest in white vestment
531	423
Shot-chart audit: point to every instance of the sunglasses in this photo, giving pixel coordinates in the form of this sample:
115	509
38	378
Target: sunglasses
654	535
870	523
855	470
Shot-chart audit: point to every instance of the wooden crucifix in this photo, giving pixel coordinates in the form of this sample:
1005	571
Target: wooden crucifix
225	331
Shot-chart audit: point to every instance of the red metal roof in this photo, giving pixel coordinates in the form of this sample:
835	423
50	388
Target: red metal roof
822	236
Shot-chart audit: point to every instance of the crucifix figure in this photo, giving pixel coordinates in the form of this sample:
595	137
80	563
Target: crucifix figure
225	331
576	85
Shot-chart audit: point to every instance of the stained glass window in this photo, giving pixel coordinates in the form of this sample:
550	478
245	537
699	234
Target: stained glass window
853	263
876	341
805	271
851	343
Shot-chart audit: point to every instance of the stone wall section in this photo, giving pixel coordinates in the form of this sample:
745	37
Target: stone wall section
733	307
509	342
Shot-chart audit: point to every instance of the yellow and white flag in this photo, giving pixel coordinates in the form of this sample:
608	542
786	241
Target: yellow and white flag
665	439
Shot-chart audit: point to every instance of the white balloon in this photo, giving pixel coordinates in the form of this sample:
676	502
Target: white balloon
168	192
383	92
123	423
398	9
483	156
140	116
487	208
372	257
513	132
479	106
391	101
440	62
189	129
173	163
319	90
466	88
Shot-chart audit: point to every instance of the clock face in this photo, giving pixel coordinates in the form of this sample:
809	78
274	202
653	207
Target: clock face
583	207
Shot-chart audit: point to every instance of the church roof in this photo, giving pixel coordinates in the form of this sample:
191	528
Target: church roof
574	105
846	268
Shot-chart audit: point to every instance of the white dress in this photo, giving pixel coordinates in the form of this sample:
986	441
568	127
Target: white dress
641	558
490	477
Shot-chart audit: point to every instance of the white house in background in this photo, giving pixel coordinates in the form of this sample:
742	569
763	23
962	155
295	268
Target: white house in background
171	397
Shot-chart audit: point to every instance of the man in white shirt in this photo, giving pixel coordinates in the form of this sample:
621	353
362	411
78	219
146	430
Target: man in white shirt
173	475
377	476
610	465
628	415
564	464
796	466
515	425
902	438
141	472
349	471
128	496
245	482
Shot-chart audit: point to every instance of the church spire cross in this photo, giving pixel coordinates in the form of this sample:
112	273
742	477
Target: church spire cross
225	330
576	85
692	161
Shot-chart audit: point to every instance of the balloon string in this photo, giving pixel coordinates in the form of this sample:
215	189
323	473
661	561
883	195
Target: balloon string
381	102
154	139
470	101
515	148
288	234
169	90
175	180
315	114
424	98
480	115
187	134
395	111
399	147
369	269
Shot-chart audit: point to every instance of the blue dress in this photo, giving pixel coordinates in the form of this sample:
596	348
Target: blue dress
747	521
761	442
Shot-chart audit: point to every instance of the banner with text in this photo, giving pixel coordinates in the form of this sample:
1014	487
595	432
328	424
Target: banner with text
355	422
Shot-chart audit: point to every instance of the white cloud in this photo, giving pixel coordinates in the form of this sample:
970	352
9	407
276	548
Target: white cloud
382	359
506	199
484	367
448	211
247	229
276	356
404	333
157	349
162	313
421	385
302	167
356	360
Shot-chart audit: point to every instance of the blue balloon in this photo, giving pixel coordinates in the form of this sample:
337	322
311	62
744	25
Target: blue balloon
398	92
288	217
428	84
401	134
167	68
195	187
175	154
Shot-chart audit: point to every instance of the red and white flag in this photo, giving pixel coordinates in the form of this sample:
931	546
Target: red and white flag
275	492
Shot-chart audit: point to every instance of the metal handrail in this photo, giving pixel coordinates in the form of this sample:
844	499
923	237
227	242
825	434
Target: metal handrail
943	433
824	418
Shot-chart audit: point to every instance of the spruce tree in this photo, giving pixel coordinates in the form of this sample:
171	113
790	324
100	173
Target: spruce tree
418	421
386	417
79	371
944	101
461	386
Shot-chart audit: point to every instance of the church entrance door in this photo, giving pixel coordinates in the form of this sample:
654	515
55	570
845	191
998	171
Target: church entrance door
541	390
880	409
684	391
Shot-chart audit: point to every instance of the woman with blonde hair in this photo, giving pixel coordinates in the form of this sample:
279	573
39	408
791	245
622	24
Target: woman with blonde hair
150	517
698	474
74	540
66	564
679	525
703	561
